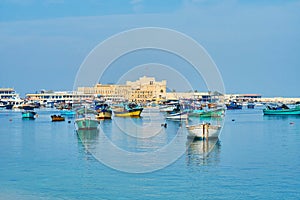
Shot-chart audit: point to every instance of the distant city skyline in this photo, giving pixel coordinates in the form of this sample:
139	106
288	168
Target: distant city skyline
255	44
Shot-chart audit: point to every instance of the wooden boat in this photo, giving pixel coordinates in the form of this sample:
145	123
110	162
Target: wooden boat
57	118
85	119
281	110
219	112
203	131
86	123
177	115
104	111
128	110
28	115
234	105
27	107
168	105
68	113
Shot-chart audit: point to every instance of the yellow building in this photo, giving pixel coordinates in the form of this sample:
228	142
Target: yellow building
143	90
147	89
107	92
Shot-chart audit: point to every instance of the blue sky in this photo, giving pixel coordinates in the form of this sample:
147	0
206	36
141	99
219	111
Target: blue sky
255	44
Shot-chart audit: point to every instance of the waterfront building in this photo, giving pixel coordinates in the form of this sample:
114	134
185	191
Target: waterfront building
243	97
8	93
108	92
59	96
145	89
199	96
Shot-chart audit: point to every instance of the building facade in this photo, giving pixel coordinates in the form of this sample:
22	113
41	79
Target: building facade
144	90
147	89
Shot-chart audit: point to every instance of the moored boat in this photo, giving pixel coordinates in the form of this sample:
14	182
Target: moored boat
250	105
219	112
203	131
28	115
281	110
86	123
57	118
128	110
104	111
68	113
85	119
177	115
234	106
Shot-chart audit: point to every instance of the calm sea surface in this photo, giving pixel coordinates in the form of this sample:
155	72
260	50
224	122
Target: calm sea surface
257	157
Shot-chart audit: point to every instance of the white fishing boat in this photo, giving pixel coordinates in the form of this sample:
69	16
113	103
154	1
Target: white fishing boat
177	115
203	131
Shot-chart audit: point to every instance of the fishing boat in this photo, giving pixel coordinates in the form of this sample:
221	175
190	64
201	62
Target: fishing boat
85	119
234	106
128	110
9	106
57	118
168	105
68	113
281	110
177	113
218	112
28	115
104	111
27	107
203	131
250	105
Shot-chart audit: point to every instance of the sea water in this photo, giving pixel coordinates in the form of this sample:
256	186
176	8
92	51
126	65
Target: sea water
256	157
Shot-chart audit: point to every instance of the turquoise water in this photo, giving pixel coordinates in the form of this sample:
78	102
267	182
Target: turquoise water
257	157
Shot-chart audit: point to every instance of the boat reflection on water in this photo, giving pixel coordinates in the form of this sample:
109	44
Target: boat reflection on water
281	117
88	138
203	152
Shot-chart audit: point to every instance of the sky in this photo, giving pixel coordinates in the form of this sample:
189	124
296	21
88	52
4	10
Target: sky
255	44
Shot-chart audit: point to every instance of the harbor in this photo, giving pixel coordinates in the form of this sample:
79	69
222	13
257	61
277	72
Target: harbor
142	99
37	153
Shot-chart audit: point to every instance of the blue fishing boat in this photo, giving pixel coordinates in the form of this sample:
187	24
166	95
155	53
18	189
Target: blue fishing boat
234	106
68	113
250	105
28	115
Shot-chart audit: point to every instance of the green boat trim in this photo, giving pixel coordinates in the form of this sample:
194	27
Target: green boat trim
291	111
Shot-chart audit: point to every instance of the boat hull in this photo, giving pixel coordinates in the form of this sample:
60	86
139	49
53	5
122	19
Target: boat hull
104	115
177	116
57	118
203	131
282	112
130	113
209	113
28	115
86	124
68	113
